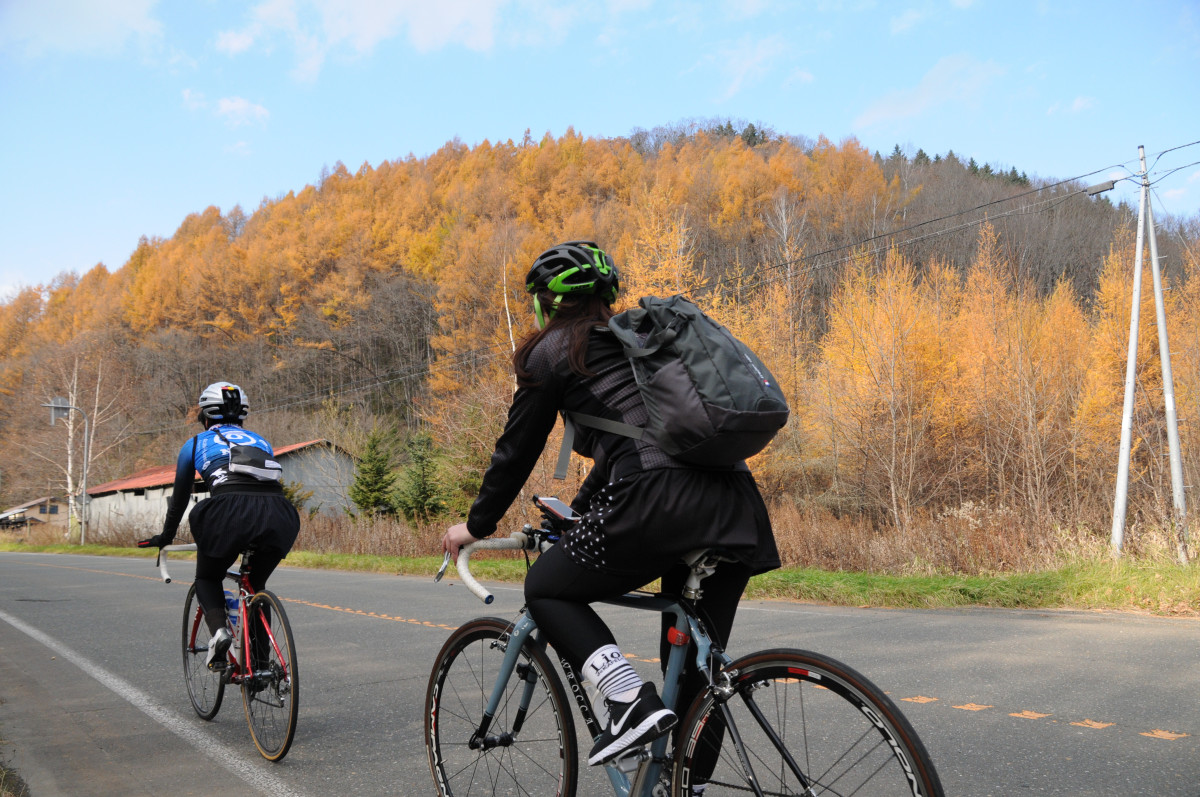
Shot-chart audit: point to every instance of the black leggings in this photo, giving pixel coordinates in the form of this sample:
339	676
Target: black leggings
558	593
210	577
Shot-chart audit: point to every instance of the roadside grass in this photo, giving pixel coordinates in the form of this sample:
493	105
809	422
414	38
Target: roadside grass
11	784
1155	585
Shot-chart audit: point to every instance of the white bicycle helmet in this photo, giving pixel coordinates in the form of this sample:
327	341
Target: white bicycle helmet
224	401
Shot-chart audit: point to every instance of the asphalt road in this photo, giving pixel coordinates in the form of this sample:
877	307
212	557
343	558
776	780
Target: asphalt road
92	700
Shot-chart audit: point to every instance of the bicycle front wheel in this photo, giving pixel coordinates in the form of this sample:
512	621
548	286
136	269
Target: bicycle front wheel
807	725
527	748
271	686
205	687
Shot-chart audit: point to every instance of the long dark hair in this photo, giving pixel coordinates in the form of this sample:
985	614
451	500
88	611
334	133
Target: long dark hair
578	315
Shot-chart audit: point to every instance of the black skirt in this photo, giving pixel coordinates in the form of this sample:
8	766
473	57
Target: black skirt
229	523
660	514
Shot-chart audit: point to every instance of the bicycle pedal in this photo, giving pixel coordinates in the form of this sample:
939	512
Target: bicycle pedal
628	761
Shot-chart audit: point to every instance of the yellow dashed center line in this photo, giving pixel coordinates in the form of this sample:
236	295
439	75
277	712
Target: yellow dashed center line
1092	724
1037	715
93	570
375	615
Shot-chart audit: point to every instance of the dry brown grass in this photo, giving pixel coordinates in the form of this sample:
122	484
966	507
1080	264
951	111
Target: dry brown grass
372	536
973	540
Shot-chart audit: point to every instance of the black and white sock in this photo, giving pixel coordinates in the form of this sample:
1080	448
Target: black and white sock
612	674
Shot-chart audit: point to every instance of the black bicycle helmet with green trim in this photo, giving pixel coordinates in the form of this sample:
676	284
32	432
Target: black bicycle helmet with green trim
575	267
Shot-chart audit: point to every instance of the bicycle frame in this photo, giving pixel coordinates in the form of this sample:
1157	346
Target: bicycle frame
239	670
647	770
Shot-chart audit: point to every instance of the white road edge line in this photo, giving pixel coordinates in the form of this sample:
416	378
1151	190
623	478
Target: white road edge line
224	755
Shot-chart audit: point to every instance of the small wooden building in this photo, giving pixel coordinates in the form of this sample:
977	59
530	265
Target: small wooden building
46	511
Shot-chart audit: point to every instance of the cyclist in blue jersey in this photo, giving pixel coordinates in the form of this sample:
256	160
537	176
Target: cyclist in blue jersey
246	507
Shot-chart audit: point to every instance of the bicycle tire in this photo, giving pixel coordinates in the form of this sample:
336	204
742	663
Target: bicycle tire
205	687
846	736
271	685
535	752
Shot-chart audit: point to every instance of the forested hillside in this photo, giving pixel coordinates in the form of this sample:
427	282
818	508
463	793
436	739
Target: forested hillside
952	337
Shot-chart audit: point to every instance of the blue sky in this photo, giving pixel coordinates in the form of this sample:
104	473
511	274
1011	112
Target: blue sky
119	118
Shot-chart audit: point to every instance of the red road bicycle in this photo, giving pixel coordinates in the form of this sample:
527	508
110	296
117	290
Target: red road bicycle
261	660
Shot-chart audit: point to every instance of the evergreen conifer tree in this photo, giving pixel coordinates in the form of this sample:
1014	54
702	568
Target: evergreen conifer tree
419	495
374	477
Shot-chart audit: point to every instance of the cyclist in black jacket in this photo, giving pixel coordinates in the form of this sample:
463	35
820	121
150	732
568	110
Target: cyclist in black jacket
641	509
246	507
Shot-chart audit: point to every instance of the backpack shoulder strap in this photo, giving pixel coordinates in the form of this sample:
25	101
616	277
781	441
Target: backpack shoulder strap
571	419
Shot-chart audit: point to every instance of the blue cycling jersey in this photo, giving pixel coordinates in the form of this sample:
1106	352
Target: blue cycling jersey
210	454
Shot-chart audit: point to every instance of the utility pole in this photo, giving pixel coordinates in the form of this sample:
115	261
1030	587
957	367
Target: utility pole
1120	502
1179	517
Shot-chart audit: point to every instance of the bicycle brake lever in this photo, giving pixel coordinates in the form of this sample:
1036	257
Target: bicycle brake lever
442	570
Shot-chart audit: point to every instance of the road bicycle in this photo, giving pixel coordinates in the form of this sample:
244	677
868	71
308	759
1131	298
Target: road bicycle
775	722
261	660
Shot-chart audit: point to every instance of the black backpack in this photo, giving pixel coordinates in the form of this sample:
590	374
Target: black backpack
712	402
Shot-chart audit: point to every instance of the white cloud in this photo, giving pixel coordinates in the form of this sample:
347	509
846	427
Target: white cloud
1078	105
74	26
621	6
193	100
238	111
235	41
956	79
1194	177
748	61
1175	193
799	76
318	28
906	21
745	9
240	148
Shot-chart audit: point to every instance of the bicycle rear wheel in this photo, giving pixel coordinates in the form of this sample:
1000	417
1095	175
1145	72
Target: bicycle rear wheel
841	732
271	688
529	746
206	687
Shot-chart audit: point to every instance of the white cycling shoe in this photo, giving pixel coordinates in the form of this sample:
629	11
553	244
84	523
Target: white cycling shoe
218	646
